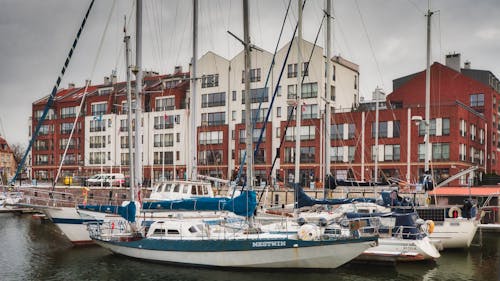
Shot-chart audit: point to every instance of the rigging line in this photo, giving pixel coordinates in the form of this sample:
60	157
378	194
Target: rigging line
370	43
416	7
87	84
275	91
51	97
101	43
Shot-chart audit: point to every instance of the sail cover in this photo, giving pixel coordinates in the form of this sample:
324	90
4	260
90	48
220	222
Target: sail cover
242	205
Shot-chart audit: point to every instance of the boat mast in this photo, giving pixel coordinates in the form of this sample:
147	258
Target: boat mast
298	107
428	94
138	93
51	97
375	176
126	39
248	102
328	94
192	167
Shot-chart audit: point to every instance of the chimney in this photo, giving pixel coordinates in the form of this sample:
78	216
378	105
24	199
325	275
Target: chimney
177	69
453	61
113	79
71	85
467	64
106	80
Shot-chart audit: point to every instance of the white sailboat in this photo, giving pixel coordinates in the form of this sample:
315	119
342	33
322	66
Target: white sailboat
227	244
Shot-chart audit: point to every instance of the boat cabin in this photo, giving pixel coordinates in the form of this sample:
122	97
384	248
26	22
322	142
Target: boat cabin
172	190
177	229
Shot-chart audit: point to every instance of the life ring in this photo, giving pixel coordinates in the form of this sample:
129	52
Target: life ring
430	226
455	212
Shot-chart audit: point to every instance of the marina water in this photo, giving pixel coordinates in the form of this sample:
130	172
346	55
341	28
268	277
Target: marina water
33	250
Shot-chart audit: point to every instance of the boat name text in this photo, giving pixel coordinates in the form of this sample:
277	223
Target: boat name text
262	244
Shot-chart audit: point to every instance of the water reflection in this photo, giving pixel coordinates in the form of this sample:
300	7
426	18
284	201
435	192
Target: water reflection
31	250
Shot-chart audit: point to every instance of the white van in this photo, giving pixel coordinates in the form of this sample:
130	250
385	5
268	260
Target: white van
114	179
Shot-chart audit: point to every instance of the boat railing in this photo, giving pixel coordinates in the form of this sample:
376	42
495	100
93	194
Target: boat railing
46	198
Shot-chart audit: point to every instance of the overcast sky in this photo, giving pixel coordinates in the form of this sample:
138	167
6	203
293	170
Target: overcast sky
386	38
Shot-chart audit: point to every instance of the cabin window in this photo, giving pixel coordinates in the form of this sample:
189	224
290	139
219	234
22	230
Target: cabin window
205	190
193	229
159	231
173	231
200	191
176	188
168	188
185	189
193	190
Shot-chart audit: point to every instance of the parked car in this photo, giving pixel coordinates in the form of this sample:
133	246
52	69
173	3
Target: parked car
114	179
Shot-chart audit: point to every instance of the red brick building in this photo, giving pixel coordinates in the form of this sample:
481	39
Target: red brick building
463	130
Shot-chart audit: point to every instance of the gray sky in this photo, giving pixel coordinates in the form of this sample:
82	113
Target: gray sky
385	37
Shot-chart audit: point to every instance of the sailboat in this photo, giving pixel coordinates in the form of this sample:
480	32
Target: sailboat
232	244
454	226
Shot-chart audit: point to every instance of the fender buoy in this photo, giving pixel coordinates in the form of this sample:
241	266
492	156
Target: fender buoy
112	225
428	201
454	212
430	226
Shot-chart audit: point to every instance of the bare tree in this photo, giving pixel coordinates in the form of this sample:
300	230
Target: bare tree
18	150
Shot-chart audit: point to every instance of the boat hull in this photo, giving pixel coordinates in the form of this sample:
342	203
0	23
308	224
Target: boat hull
71	224
400	250
252	253
454	233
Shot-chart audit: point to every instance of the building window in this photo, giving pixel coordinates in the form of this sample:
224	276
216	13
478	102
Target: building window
382	129
309	111
254	75
337	154
309	90
164	122
97	126
234	95
163	140
124	142
352	131
476	100
440	151
66	128
257	115
67	112
446	127
210	157
97	141
305	68
214	99
337	132
213	119
392	152
255	136
292	92
211	80
306	133
163	104
164	157
214	137
278	111
307	154
292	70
124	107
256	95
99	109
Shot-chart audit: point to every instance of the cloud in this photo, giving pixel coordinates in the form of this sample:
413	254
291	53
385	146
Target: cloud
488	33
